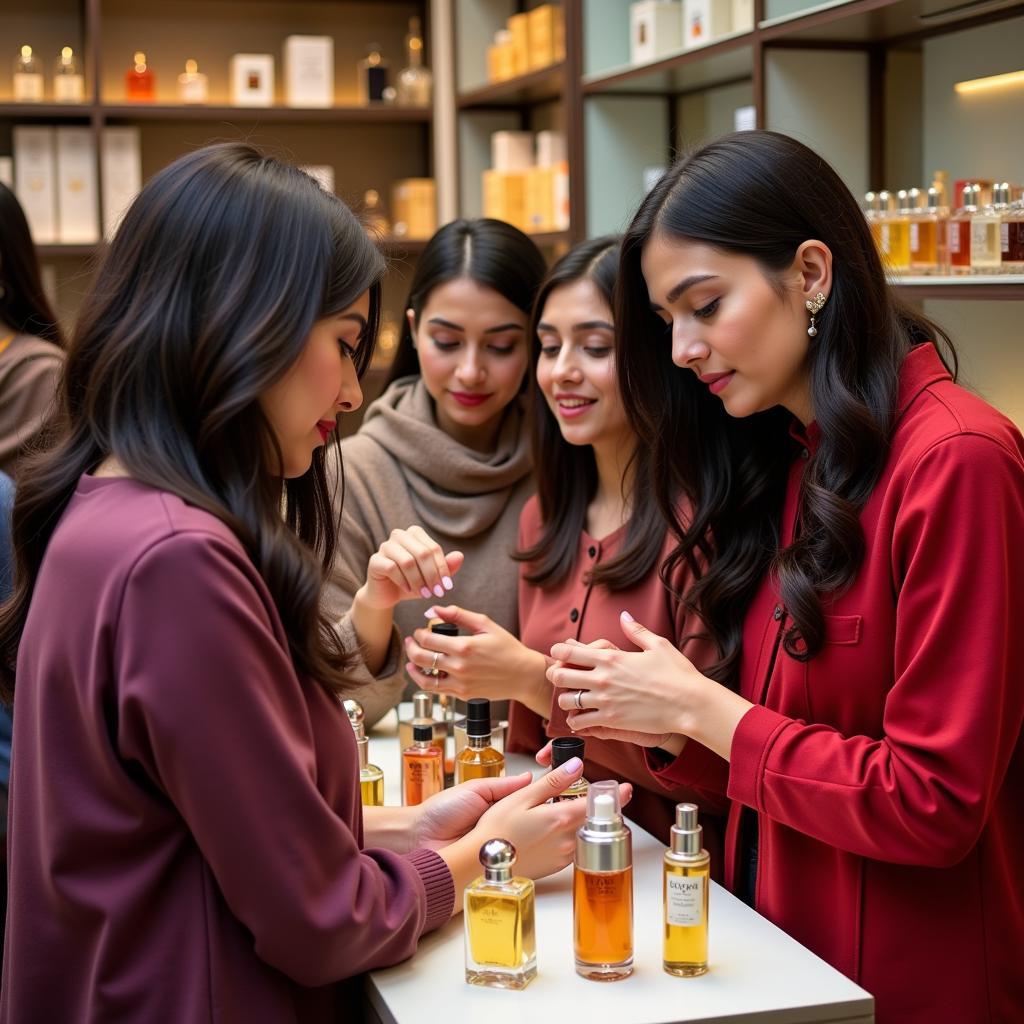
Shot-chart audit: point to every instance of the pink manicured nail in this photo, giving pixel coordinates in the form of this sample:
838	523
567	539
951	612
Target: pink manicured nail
431	612
574	764
425	592
626	617
438	591
447	581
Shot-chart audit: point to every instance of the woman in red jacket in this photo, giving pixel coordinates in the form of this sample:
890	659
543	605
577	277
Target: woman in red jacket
865	588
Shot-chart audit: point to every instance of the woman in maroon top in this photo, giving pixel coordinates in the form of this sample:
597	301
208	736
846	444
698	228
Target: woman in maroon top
590	541
865	589
187	841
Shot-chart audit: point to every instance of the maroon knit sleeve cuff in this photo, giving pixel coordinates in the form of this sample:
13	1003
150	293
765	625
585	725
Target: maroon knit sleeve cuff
438	884
751	745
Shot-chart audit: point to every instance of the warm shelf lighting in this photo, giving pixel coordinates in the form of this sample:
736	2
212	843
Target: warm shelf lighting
992	82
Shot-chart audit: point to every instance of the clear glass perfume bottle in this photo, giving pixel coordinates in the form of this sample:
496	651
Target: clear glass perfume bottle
422	714
602	889
565	748
1011	237
986	226
873	215
501	944
422	767
958	231
68	83
415	82
686	874
478	760
193	86
895	230
373	75
28	77
371	778
139	81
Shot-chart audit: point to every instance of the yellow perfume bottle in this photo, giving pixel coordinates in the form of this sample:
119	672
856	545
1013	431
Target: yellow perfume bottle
686	874
478	760
371	778
602	889
501	944
563	749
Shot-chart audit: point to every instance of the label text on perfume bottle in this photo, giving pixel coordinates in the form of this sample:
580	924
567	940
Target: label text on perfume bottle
684	900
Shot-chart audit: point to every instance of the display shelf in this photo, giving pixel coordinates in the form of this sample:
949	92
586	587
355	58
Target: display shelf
994	286
382	114
46	111
542	86
720	62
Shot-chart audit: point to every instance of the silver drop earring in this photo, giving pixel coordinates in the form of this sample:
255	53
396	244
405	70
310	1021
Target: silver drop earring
814	306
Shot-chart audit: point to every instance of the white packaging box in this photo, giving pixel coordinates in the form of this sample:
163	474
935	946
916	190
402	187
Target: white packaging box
742	16
323	173
309	71
7	172
511	151
561	200
35	180
551	148
656	29
78	205
121	157
744	119
252	80
705	20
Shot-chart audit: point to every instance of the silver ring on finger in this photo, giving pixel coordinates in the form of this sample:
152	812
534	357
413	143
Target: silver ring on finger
579	700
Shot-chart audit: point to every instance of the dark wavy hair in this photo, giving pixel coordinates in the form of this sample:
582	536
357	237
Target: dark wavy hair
23	303
490	252
567	473
205	299
761	194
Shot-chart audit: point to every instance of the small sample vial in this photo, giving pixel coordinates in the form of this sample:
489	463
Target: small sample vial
563	749
478	759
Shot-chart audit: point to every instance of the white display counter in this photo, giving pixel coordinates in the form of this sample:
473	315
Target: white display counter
757	972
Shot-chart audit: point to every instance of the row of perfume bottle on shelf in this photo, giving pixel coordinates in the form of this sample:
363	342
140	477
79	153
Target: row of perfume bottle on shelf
916	231
29	84
500	920
530	41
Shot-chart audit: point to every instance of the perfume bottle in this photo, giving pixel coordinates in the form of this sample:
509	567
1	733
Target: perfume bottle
479	760
28	77
563	749
873	215
501	944
958	231
68	83
1011	236
895	230
928	232
371	778
374	219
686	873
415	82
193	86
139	81
422	714
602	889
422	767
986	227
373	75
452	747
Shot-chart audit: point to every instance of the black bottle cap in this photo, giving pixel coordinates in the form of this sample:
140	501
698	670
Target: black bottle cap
565	748
478	717
422	732
445	628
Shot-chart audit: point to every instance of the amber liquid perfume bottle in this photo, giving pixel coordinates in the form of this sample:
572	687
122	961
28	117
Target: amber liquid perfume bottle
415	82
1011	237
686	877
894	231
501	943
422	767
371	778
422	714
478	760
563	749
602	889
958	232
139	81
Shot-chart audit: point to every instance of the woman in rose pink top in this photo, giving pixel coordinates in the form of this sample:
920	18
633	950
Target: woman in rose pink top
186	836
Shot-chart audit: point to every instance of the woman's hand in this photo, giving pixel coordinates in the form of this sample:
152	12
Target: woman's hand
645	692
448	816
490	662
408	565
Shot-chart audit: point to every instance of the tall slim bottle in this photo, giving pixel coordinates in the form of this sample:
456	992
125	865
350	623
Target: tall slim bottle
371	778
1011	234
422	767
958	231
986	224
478	759
602	889
686	874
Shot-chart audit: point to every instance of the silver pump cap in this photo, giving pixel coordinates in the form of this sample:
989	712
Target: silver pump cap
604	842
354	710
422	705
686	833
497	857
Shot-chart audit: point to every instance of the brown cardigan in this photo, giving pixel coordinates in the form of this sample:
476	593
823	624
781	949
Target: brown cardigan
29	371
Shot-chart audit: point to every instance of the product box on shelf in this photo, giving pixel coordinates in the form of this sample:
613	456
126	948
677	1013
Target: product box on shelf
511	151
551	148
414	208
78	207
705	20
505	197
35	180
547	36
742	16
121	161
309	71
656	28
500	57
252	80
540	198
519	26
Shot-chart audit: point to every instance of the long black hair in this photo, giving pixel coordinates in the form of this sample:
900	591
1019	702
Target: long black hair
567	473
218	272
490	252
23	303
761	194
